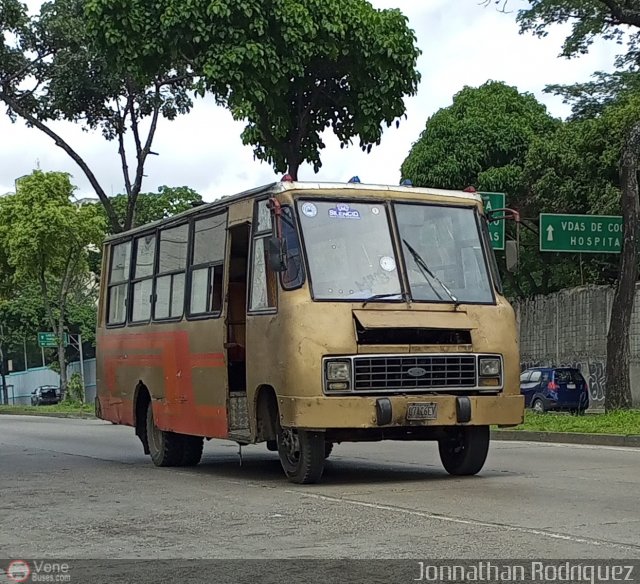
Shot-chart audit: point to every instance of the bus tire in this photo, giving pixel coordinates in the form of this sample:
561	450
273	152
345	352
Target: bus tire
463	451
192	450
301	454
165	448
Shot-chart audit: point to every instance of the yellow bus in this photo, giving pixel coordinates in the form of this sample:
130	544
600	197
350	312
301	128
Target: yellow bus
304	315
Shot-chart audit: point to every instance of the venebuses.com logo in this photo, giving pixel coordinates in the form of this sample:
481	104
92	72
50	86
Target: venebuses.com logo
18	571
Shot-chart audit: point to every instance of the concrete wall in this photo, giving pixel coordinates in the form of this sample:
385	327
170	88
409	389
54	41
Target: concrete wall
569	329
21	384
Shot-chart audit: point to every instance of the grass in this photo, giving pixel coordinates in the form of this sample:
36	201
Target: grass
63	409
622	422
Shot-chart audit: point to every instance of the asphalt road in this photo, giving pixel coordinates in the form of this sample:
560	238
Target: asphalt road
84	489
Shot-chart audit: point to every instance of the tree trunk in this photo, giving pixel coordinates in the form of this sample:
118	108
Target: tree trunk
618	384
5	391
62	363
293	170
62	349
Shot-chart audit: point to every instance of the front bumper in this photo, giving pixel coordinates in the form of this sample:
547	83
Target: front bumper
321	413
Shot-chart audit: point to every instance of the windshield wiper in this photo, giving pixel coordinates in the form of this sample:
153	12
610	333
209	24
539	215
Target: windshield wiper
417	258
402	295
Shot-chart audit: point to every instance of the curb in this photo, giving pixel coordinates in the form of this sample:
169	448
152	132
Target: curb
567	438
79	415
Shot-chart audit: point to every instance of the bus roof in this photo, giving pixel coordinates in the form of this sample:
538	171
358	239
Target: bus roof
280	187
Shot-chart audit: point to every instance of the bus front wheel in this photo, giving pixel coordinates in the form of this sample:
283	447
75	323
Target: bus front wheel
463	450
301	453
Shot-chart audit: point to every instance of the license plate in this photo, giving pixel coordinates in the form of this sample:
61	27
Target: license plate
422	411
571	385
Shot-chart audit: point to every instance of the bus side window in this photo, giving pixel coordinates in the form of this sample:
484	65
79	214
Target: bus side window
263	279
294	276
142	283
118	283
206	269
172	264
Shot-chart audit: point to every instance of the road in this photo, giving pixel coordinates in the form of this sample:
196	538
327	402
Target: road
84	489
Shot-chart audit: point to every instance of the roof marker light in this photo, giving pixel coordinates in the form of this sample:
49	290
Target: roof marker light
286	178
470	190
406	183
354	179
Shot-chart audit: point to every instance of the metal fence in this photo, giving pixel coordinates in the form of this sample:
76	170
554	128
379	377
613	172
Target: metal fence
21	384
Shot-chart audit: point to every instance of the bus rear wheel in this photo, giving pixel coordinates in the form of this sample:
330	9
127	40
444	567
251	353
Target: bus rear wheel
165	448
302	454
464	449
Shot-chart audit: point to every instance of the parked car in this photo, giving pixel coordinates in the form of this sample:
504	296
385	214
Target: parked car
45	395
554	388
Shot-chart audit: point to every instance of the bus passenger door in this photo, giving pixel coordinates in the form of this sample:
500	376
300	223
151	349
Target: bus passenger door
236	323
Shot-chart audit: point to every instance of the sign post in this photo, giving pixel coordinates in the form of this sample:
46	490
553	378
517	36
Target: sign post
50	341
580	233
493	201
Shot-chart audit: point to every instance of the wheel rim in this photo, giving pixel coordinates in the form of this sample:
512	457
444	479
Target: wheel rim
154	435
537	406
290	446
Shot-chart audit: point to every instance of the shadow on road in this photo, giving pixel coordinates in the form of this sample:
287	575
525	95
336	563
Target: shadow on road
352	471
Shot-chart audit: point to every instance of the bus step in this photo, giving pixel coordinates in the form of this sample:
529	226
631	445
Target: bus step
238	413
240	436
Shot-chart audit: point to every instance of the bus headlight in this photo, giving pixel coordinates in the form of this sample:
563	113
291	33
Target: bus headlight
338	370
337	375
490	367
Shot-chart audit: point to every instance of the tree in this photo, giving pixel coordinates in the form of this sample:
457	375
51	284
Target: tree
291	68
51	69
482	140
46	239
589	20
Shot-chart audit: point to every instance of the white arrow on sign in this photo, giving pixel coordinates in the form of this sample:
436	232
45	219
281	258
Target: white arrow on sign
550	233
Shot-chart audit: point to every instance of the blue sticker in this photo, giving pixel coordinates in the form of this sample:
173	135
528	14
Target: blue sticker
343	211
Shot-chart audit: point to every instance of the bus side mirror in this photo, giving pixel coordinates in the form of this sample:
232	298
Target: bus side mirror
512	253
277	255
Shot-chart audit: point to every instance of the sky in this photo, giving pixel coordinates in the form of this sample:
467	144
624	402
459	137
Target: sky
462	43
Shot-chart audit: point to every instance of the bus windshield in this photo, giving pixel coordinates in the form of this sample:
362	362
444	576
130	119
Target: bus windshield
349	250
351	254
446	240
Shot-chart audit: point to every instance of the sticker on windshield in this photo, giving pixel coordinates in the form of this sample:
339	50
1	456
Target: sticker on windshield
309	209
343	211
375	211
387	263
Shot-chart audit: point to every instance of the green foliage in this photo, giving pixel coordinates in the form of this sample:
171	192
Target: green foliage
588	100
46	239
589	19
44	233
290	68
481	140
75	390
626	423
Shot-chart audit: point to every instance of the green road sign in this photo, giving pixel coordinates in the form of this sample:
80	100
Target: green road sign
580	233
496	228
49	340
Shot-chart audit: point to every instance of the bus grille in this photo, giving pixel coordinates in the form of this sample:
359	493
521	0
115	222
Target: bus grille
410	372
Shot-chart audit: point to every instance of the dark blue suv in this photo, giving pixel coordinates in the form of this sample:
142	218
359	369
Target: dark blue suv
554	388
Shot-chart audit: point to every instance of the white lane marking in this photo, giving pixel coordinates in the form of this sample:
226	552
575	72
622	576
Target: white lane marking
472	522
